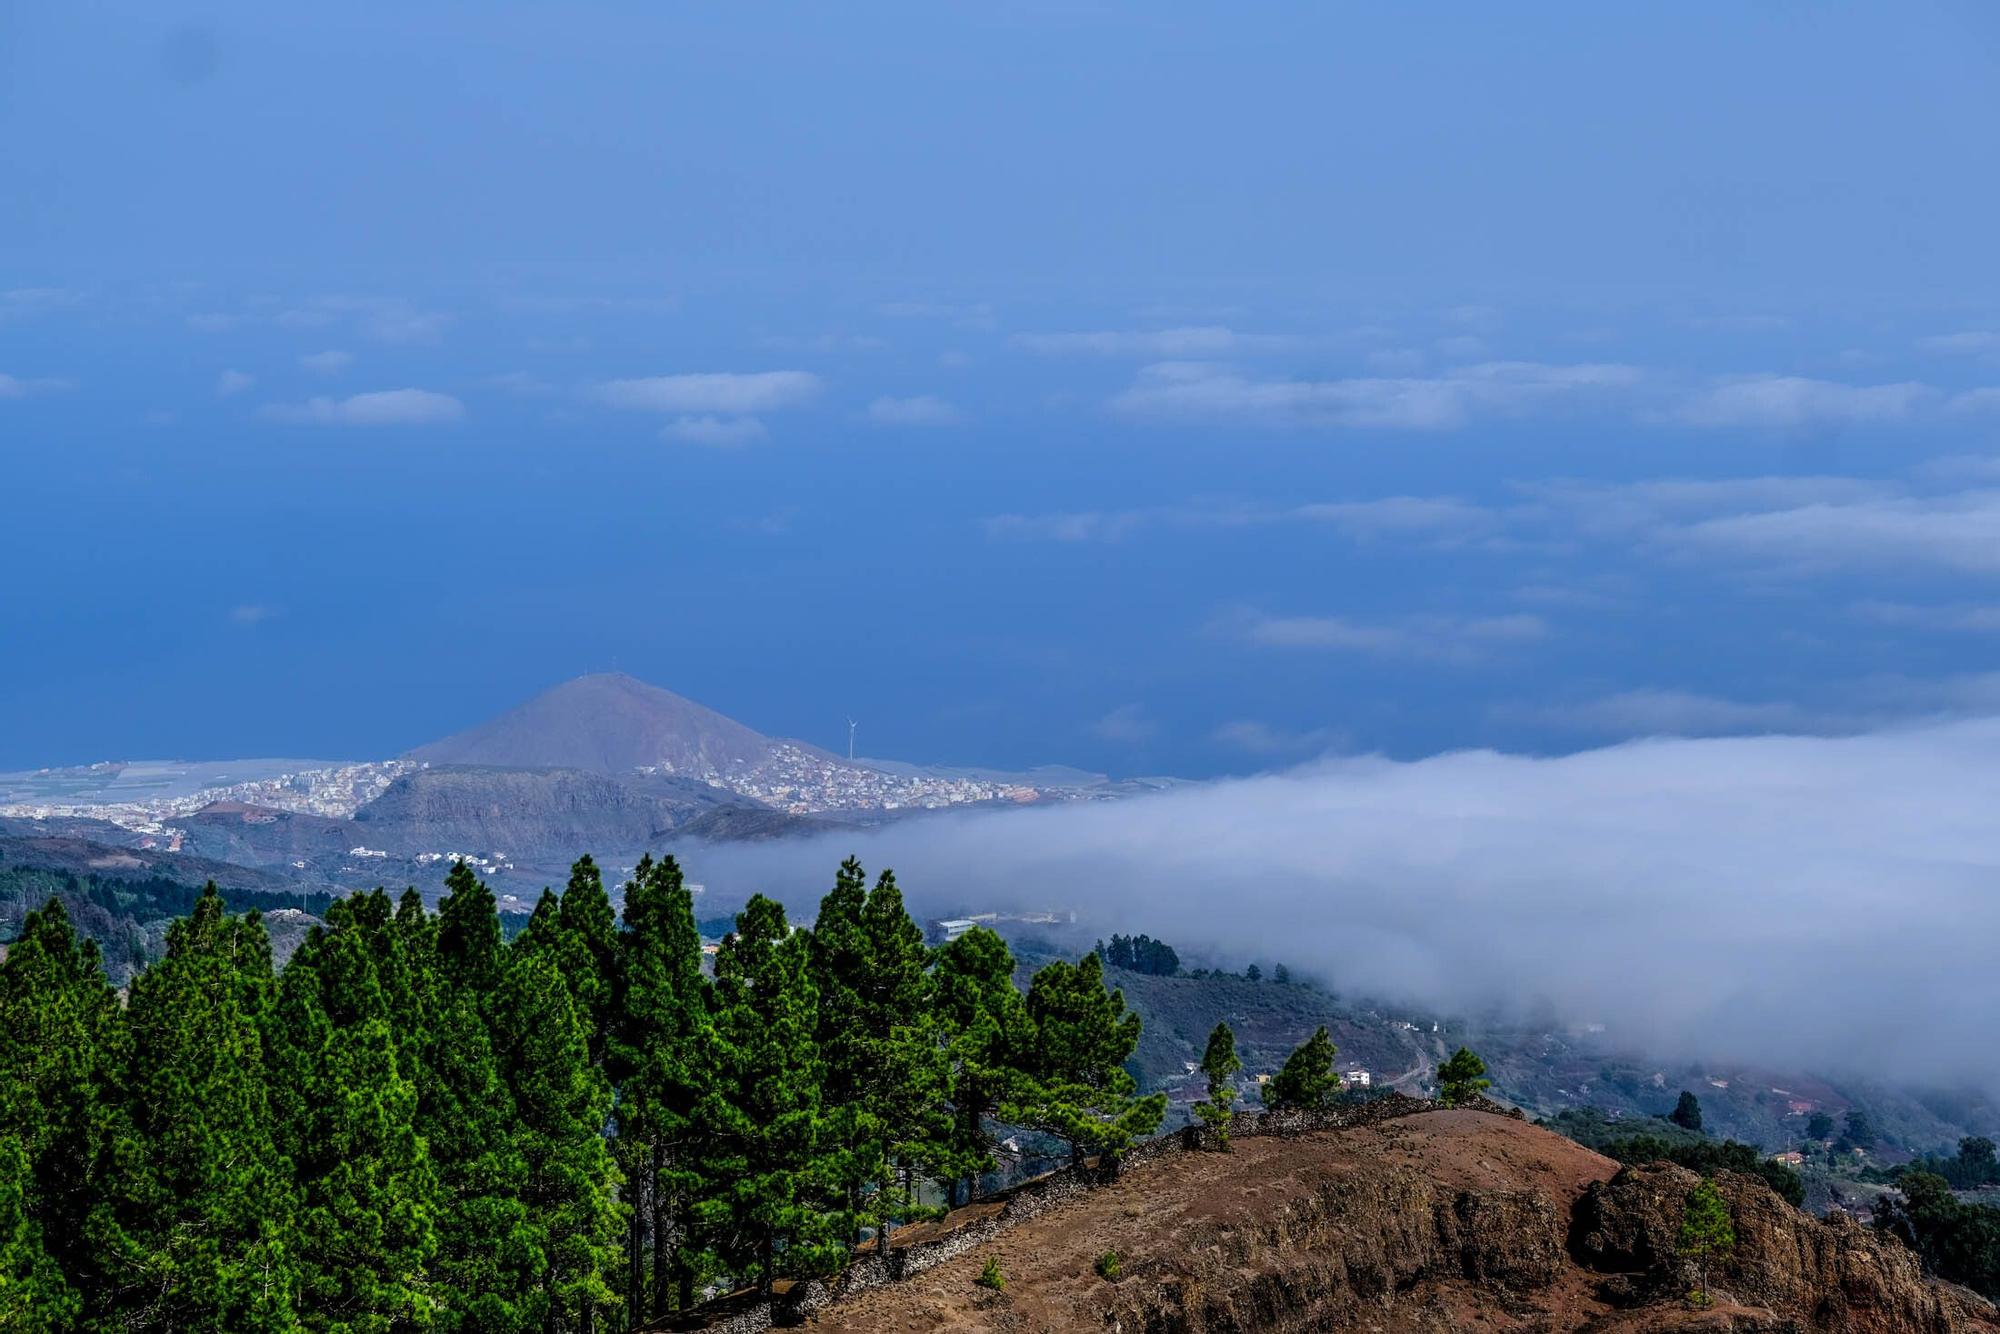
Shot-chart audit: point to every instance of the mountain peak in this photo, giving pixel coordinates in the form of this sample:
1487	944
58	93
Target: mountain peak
607	722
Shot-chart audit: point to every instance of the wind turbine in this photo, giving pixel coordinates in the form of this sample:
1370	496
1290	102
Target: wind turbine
850	738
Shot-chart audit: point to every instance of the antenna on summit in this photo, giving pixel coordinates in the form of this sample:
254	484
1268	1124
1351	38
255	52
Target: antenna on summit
850	738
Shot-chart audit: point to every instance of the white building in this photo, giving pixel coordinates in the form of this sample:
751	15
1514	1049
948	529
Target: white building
951	928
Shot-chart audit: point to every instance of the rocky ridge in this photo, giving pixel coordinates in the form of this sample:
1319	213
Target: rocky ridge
1413	1219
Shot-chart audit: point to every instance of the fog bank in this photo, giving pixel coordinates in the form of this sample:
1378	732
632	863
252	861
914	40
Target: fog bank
1829	901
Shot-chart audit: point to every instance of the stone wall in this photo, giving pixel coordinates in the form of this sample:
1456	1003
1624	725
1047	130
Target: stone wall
968	1229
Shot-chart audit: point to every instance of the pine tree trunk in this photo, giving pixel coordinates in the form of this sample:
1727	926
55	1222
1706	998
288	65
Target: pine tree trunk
635	1297
663	1237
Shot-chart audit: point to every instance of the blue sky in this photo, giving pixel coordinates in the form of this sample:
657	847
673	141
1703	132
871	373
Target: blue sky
1156	389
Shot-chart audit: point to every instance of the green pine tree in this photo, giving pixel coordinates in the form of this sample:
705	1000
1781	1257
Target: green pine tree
663	1059
1219	1063
1077	1088
346	1112
765	1157
62	1054
1462	1078
907	1083
982	1019
200	1234
1687	1111
1306	1080
489	1259
562	1103
468	939
594	964
854	1149
34	1292
578	932
1706	1232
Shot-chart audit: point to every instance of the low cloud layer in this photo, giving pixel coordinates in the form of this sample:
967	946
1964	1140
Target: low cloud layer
1823	902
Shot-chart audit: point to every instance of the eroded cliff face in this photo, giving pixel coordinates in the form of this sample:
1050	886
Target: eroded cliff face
1353	1242
1823	1275
1441	1221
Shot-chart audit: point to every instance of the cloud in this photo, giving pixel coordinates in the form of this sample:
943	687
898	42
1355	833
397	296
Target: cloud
1193	342
1744	323
1970	619
23	302
829	344
387	407
1969	343
1790	402
1687	893
923	410
1425	636
384	319
330	362
1850	707
1793	525
1439	519
1126	724
1649	712
1396	361
231	383
522	383
1974	402
1485	319
974	315
12	386
724	393
251	613
1959	532
1198	391
1079	526
714	430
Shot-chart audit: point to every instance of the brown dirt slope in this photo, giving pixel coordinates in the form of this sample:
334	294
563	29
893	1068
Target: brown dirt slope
1443	1221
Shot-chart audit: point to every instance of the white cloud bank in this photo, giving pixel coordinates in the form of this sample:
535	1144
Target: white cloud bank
1820	902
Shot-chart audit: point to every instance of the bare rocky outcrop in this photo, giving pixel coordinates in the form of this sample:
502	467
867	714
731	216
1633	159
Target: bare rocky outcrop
1422	1221
1354	1241
1829	1275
